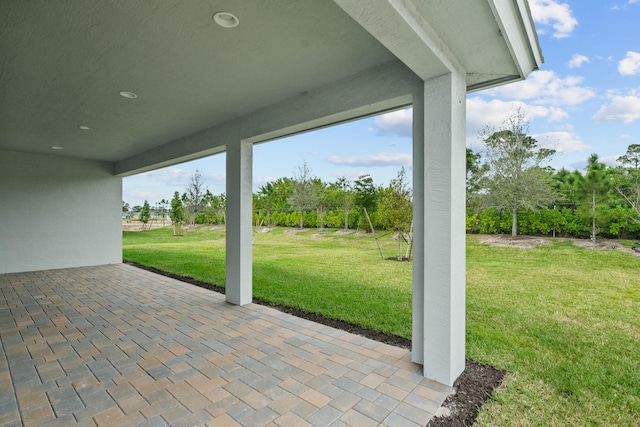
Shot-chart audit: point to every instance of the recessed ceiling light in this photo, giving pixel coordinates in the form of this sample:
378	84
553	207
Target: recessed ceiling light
226	19
55	147
83	127
129	95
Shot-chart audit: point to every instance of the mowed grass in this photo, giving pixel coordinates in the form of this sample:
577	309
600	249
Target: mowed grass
562	320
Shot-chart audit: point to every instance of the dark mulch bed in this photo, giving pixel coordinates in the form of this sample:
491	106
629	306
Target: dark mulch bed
472	388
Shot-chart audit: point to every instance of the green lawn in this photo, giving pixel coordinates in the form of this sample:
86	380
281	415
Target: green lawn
564	321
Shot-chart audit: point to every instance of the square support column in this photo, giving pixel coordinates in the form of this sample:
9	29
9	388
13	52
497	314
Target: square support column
439	262
239	223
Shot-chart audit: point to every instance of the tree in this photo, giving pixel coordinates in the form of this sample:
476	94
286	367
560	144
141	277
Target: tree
395	208
593	189
145	214
366	194
321	199
631	159
303	195
516	178
627	177
282	191
266	199
193	195
343	197
475	172
365	197
219	205
567	186
163	209
125	210
176	213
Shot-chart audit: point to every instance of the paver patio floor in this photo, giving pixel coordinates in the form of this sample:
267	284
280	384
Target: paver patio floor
119	346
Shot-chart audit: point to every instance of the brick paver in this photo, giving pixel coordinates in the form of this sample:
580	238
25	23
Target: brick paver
115	345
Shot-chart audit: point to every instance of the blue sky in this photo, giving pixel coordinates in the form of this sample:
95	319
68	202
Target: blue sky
584	99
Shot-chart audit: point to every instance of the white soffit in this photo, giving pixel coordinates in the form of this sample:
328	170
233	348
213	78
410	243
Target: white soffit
492	41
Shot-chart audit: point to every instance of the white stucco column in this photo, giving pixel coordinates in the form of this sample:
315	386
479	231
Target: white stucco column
239	219
439	227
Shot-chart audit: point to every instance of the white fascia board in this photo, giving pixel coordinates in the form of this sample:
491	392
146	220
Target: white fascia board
516	25
384	88
398	26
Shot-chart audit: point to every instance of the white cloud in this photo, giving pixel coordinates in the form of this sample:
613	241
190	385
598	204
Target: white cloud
546	88
557	15
577	61
177	177
149	196
562	142
259	181
493	113
621	107
630	65
395	123
379	159
609	160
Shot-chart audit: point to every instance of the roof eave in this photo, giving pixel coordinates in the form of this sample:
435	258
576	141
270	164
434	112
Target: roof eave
518	30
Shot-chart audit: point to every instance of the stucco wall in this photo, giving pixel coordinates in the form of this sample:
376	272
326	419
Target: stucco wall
57	212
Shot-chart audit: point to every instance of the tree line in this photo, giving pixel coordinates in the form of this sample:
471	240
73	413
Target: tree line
511	190
509	187
303	201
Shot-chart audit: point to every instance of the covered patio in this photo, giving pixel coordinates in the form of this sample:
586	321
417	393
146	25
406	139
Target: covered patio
115	345
95	91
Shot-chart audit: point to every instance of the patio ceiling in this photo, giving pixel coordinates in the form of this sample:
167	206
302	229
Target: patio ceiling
65	62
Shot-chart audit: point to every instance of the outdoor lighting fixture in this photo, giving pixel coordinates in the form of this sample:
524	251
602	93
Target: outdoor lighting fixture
83	127
126	94
55	147
226	19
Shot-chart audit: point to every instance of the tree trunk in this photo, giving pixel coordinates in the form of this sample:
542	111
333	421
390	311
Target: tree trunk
301	219
346	219
593	217
399	245
514	222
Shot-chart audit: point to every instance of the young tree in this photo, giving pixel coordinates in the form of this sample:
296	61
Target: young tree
365	197
395	208
593	189
266	199
193	195
322	200
163	209
567	186
125	210
303	195
343	197
219	205
145	214
176	213
516	178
